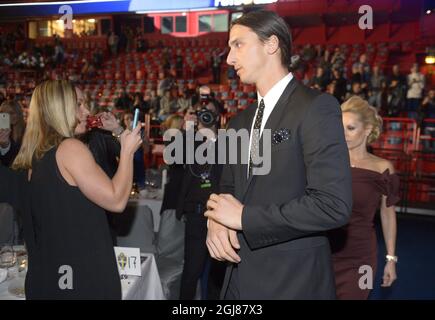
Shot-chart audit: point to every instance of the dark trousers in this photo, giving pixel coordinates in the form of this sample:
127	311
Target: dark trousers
139	168
232	291
195	259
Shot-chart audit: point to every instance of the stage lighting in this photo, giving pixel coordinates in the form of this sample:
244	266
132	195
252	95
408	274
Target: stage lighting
430	55
429	59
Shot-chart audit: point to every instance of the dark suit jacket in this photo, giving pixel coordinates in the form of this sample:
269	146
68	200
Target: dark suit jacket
172	188
187	178
284	253
9	157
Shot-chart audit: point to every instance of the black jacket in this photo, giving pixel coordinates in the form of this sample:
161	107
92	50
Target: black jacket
9	157
284	252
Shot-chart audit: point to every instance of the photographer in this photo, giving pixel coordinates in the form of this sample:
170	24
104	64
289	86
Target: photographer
206	96
199	181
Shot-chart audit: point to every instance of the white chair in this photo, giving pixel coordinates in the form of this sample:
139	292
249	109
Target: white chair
135	228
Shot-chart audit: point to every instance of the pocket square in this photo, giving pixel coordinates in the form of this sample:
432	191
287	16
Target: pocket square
280	135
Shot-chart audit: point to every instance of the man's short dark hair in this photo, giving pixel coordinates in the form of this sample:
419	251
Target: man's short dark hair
266	24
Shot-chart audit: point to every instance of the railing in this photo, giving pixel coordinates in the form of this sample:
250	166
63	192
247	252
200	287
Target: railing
398	134
412	155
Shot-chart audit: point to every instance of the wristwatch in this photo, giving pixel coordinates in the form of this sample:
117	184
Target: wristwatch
391	258
118	135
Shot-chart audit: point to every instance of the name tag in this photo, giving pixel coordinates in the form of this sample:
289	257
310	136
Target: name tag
128	261
205	184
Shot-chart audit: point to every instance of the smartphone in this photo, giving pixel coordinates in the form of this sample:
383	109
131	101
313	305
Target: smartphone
136	117
5	121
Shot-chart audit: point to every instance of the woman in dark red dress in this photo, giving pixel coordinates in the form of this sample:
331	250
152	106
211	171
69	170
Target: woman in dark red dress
375	185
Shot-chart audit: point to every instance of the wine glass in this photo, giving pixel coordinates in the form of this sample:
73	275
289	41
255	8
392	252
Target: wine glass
153	180
22	262
8	257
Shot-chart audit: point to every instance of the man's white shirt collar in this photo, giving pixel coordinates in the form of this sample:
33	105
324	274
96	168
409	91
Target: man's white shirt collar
270	100
272	97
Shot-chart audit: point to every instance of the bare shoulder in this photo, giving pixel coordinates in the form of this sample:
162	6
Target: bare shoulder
72	156
71	145
72	149
382	164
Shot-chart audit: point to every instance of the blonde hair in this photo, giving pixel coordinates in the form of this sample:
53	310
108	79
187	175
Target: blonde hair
17	129
174	121
368	115
90	103
52	118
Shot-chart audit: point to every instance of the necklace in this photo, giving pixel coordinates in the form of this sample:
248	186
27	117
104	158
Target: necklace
203	175
356	162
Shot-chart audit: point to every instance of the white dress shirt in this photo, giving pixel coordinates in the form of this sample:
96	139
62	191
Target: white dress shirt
270	100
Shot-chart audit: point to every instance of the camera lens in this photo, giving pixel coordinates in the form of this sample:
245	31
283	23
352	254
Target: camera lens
206	117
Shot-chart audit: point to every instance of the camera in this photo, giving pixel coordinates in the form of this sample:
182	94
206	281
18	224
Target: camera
204	99
207	117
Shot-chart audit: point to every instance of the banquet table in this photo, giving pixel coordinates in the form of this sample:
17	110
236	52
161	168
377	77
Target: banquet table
144	287
4	292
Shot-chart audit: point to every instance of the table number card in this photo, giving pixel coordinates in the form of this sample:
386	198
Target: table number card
128	261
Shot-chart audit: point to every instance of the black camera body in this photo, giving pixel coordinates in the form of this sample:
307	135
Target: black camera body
207	117
204	99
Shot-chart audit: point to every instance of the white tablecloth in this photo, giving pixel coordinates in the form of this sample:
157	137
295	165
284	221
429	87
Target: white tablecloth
4	293
145	287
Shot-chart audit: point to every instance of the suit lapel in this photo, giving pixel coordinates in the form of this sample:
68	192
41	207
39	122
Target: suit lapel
272	124
281	107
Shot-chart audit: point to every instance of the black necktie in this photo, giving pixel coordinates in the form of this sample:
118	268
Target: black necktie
256	135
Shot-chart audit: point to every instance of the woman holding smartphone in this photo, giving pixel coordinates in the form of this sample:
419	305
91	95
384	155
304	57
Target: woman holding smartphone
64	198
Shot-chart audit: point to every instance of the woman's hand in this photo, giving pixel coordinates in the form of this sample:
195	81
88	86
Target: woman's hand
389	274
131	140
110	123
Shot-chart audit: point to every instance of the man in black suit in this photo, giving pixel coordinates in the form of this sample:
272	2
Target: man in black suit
277	221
